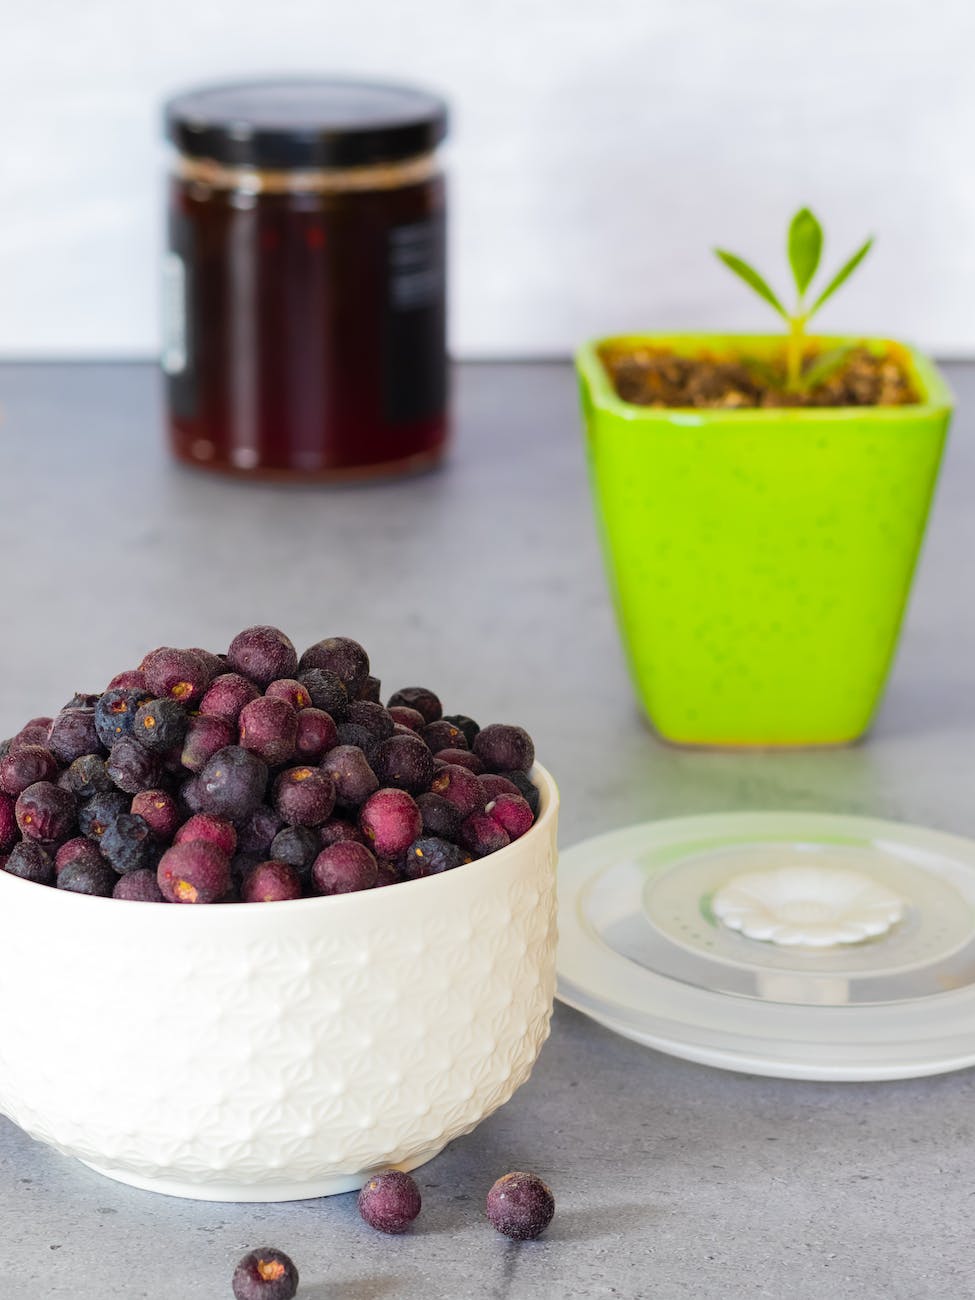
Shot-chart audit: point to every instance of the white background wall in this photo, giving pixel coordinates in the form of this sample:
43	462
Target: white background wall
599	148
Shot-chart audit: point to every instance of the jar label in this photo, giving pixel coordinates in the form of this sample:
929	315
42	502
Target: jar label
173	314
415	325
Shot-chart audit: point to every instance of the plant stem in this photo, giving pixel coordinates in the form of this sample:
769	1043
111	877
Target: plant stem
794	349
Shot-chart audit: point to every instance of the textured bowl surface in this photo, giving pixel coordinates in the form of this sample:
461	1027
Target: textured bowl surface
276	1051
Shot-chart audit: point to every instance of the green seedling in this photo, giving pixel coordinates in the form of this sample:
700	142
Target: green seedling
805	248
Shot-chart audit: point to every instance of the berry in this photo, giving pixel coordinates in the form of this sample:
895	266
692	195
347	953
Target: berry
347	733
270	882
257	832
160	724
215	664
418	697
482	835
371	717
520	1206
226	696
232	783
390	1201
467	725
46	812
460	758
503	748
126	843
444	735
291	691
388	873
407	717
87	776
96	878
8	823
180	674
214	830
159	811
304	796
133	679
390	821
512	814
263	654
370	689
341	656
526	788
73	734
191	796
133	767
23	767
298	846
30	861
115	713
80	849
138	887
265	1274
351	774
460	787
193	872
404	762
80	700
344	868
98	813
493	785
429	856
337	831
326	692
268	728
315	736
440	817
205	736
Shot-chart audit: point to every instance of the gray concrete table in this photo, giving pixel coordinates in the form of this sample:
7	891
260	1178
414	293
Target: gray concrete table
672	1179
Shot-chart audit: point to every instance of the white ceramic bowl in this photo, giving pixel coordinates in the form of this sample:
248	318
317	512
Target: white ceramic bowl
275	1051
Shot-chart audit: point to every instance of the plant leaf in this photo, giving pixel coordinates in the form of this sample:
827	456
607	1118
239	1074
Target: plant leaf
805	248
824	366
752	279
841	276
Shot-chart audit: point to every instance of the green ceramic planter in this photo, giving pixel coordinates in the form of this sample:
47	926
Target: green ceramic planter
760	560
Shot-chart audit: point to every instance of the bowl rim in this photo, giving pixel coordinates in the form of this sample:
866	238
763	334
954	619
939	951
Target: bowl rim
548	810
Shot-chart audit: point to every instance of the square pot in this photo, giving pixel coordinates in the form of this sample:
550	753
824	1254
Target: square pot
760	560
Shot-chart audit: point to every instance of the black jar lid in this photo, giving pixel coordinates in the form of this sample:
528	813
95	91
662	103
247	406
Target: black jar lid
305	122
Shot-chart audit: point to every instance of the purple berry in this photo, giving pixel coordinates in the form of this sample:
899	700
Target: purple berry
344	868
315	736
460	787
347	733
268	728
493	785
370	689
232	784
87	776
193	872
467	725
23	767
179	674
73	734
390	821
214	664
326	692
343	657
265	1274
440	817
418	697
482	835
351	774
205	736
512	814
30	861
133	679
444	735
226	696
526	788
258	831
404	762
263	654
520	1206
98	813
138	887
80	700
304	796
338	831
298	846
371	717
429	856
95	878
460	758
115	713
160	725
80	849
387	873
504	748
407	717
291	691
390	1201
159	811
213	830
270	882
133	767
9	833
46	812
126	844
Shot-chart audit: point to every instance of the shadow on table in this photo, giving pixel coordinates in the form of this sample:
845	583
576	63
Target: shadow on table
362	1288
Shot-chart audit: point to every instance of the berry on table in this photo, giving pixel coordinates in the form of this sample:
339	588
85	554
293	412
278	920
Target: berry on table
265	1274
520	1206
390	1201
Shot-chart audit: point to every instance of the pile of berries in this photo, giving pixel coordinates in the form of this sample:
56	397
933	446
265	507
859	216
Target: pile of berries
256	776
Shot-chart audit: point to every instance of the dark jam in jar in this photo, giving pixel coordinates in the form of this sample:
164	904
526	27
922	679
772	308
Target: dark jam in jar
305	288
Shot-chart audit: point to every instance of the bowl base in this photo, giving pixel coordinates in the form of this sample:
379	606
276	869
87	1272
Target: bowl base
283	1191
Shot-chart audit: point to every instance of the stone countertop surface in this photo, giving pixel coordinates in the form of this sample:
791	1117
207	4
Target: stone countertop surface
484	581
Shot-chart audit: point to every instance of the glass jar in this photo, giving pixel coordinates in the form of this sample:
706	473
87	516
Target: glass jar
305	283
